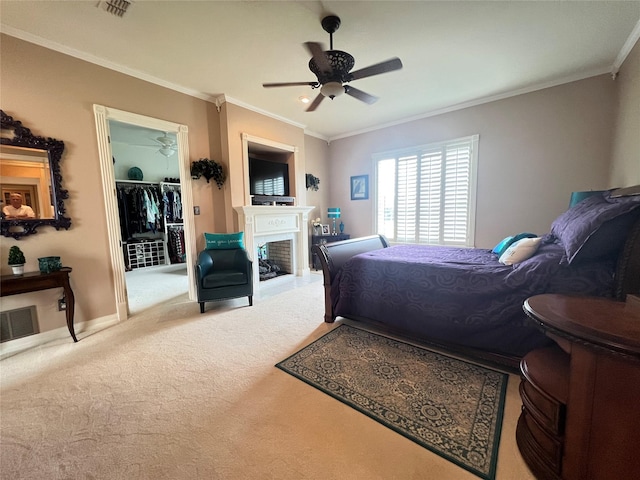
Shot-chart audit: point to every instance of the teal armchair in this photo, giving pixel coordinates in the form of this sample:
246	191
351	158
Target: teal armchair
223	274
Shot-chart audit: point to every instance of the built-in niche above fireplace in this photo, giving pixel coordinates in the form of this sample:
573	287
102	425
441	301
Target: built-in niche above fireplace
271	173
279	218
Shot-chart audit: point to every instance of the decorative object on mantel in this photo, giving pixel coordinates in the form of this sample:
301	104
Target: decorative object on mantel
49	264
208	169
312	182
333	213
16	260
341	227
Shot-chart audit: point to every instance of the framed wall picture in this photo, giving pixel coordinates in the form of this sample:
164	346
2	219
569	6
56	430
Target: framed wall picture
326	230
360	187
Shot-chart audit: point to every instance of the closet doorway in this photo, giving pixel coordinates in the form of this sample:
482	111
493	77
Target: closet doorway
151	216
152	258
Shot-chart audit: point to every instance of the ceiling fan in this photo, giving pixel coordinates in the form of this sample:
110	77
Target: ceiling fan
332	68
168	145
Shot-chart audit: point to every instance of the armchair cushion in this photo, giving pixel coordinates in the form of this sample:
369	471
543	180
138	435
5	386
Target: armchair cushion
224	278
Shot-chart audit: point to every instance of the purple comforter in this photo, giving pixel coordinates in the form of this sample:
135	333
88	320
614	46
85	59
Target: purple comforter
461	295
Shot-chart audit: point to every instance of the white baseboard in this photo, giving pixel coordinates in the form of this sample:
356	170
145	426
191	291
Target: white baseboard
20	344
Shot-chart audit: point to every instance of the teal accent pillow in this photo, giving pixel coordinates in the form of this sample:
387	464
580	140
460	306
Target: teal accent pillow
219	241
501	247
508	241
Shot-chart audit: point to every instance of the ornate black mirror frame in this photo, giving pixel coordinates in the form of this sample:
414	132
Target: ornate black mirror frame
24	138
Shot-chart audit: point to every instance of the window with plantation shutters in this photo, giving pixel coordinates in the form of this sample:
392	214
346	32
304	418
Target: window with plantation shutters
426	194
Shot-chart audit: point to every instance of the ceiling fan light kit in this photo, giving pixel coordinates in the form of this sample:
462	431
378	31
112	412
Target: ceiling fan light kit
332	89
167	151
333	70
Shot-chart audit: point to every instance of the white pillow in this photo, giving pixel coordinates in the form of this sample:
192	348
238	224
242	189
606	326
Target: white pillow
520	251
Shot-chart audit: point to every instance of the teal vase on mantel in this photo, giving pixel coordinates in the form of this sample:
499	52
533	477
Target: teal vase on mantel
341	227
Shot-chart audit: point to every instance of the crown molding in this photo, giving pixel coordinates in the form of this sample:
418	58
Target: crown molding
220	99
234	101
626	49
29	37
478	101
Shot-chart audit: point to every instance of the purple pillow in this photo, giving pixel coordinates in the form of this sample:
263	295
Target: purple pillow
593	219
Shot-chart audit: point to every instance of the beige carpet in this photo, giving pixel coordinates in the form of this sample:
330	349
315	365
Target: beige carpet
148	287
173	394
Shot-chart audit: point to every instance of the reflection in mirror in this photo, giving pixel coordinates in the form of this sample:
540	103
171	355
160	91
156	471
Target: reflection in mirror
30	179
25	176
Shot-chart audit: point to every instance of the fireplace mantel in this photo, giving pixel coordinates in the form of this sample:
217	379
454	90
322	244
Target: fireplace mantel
266	223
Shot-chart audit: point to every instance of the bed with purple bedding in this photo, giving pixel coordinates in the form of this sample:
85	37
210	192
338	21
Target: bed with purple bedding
467	298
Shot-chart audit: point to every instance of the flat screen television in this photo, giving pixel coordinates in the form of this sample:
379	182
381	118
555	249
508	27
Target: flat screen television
268	178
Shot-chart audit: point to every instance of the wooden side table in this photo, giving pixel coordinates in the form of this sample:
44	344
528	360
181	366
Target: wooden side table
321	239
580	417
35	281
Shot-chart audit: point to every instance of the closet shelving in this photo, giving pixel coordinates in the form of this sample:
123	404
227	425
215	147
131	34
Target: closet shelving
147	244
146	254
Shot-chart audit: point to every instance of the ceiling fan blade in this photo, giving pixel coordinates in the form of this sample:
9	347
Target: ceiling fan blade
360	95
316	51
315	103
289	84
377	69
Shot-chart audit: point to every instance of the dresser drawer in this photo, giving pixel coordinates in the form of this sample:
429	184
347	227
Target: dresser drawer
547	447
535	456
548	412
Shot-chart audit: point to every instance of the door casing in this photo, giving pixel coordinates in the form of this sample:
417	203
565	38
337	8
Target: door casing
102	116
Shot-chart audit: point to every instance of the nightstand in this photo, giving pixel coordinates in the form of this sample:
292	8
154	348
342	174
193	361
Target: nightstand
580	415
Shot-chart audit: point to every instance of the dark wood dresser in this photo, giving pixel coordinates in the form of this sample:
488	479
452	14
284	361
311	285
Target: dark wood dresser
581	398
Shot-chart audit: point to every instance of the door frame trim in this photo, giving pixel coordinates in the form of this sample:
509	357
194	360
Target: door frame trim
102	116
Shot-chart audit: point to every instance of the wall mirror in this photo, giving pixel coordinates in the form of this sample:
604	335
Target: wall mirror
30	166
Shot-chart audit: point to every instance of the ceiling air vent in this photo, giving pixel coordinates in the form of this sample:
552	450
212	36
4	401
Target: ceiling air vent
115	7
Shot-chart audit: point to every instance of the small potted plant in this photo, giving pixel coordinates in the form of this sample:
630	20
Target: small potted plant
16	260
208	169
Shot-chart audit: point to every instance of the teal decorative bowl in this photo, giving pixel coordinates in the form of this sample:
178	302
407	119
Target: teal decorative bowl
135	173
49	264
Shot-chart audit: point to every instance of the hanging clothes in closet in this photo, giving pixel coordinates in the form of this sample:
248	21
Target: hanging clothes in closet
172	204
174	228
140	209
175	244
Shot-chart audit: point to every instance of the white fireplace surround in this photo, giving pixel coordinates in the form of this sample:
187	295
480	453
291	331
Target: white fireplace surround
266	223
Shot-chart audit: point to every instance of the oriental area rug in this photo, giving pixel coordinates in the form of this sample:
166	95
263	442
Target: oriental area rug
451	407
